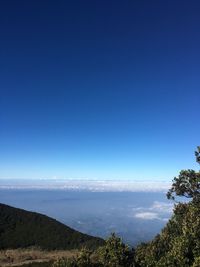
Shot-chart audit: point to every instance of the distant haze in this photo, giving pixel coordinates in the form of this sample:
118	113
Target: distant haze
134	216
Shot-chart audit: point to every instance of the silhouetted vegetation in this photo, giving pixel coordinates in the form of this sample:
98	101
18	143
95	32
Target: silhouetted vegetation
21	229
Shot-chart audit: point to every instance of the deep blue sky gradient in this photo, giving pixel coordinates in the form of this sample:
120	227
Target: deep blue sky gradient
99	89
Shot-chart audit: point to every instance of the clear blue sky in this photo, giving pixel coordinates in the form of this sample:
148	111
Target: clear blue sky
99	89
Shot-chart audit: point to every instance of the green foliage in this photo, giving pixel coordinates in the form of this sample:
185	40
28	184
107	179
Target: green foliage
21	229
115	253
187	184
178	244
197	154
83	260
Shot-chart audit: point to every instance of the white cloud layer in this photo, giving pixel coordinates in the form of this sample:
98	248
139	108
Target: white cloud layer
162	207
147	215
157	211
89	185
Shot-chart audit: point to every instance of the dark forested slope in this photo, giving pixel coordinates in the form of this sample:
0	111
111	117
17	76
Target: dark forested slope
20	229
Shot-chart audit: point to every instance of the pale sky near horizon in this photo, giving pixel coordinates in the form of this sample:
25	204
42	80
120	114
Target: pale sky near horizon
99	89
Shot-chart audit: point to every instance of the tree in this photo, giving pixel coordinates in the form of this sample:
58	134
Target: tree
116	254
178	243
187	184
197	154
113	254
84	258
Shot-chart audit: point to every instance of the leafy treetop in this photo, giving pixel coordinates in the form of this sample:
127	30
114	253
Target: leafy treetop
197	154
187	184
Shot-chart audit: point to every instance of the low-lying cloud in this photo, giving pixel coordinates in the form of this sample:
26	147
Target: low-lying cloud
87	185
158	211
162	207
147	215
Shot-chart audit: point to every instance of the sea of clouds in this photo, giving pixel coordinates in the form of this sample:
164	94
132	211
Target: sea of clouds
135	210
86	185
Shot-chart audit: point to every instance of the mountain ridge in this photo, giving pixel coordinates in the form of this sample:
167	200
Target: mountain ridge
21	229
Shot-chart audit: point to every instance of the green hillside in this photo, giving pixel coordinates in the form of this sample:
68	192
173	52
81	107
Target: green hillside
21	229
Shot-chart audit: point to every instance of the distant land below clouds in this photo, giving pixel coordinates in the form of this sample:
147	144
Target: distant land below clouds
86	185
134	216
